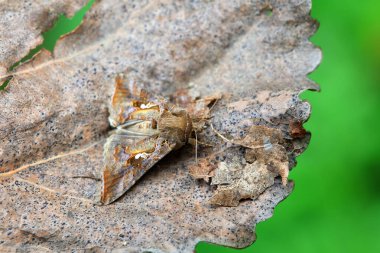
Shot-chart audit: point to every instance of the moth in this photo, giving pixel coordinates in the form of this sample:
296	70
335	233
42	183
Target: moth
147	128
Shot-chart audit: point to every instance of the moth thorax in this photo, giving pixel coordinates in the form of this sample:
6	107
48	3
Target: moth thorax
176	125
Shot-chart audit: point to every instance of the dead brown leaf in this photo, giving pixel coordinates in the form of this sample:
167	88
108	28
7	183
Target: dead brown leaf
240	182
296	129
204	169
266	160
274	157
22	23
259	136
54	114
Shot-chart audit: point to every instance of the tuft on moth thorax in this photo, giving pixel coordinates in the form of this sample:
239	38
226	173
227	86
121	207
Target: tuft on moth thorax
175	125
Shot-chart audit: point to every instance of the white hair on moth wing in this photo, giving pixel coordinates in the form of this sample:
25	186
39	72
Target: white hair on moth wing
146	106
112	122
141	155
130	84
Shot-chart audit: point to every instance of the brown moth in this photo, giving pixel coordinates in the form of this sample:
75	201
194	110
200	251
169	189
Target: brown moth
147	129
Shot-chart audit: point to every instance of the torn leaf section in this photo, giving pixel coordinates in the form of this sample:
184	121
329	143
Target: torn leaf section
260	136
63	25
198	107
204	169
275	158
273	153
265	159
236	183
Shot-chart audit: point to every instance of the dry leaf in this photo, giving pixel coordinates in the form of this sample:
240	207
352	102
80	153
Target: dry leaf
198	107
53	121
259	136
203	169
275	158
21	25
241	182
266	159
296	129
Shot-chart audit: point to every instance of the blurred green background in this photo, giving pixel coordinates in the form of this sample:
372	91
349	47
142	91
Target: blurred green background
336	203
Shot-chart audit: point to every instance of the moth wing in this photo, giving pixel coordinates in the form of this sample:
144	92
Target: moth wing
122	169
127	95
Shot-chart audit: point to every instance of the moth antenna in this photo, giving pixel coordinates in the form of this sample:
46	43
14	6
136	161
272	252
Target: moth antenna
196	147
266	145
220	135
216	101
173	106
